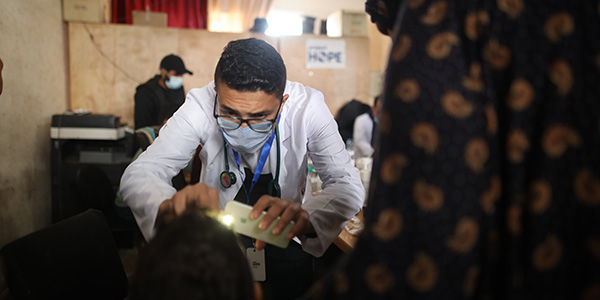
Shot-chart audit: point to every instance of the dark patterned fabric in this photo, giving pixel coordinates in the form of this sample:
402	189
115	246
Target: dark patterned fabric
383	13
486	181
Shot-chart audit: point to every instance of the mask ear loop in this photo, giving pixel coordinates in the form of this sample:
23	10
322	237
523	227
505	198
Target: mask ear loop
274	189
227	178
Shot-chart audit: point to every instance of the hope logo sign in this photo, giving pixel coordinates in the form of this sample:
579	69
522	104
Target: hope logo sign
325	54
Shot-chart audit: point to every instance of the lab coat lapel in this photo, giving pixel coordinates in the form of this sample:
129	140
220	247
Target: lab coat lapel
214	151
285	131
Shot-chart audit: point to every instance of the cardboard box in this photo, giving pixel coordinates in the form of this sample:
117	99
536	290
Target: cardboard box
87	11
347	23
149	18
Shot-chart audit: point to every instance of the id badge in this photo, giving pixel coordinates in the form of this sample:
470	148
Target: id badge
256	261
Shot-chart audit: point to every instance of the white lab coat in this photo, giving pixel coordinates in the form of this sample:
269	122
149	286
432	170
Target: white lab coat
306	127
363	133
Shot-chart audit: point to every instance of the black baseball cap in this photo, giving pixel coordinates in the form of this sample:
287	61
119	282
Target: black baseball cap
174	62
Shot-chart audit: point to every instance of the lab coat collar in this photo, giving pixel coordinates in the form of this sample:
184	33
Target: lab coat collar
285	131
285	123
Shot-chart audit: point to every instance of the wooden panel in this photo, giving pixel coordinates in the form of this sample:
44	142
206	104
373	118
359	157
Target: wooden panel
91	77
139	50
338	85
98	86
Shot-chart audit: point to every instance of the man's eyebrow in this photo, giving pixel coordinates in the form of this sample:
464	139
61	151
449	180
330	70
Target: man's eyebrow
229	110
261	113
257	115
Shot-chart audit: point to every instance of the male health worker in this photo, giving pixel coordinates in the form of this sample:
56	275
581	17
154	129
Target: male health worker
256	130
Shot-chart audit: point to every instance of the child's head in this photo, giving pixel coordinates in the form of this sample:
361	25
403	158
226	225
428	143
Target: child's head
192	257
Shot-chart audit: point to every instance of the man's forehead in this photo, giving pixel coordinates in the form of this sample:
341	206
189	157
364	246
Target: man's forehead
226	92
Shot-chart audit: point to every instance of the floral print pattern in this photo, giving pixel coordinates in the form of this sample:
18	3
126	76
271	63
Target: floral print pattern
486	175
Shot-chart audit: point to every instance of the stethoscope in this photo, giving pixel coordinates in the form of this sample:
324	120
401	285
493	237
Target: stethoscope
228	178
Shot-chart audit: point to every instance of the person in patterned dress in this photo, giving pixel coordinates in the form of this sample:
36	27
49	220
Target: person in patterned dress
486	176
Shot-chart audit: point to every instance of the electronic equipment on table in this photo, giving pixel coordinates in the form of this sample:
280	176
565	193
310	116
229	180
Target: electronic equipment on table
86	126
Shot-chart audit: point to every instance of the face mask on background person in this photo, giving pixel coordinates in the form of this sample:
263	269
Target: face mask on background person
174	82
245	140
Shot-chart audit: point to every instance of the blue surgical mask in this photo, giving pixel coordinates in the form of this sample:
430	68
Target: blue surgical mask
245	140
174	82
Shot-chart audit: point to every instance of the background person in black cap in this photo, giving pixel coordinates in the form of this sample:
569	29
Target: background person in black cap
164	89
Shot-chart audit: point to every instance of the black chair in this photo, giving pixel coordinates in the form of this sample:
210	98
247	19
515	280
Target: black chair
95	187
75	258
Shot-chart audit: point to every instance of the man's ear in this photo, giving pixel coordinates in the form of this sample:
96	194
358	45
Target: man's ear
284	98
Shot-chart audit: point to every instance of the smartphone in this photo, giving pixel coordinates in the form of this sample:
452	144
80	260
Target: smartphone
242	223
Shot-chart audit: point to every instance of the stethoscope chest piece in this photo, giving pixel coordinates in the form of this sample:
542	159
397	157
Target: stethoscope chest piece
227	179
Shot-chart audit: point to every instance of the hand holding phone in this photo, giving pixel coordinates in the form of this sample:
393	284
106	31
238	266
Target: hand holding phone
242	223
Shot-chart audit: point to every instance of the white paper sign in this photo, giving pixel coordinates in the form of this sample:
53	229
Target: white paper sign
325	54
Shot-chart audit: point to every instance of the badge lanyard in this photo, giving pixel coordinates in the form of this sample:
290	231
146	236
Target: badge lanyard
259	167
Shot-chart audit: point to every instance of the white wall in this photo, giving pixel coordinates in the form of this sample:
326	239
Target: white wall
32	46
318	8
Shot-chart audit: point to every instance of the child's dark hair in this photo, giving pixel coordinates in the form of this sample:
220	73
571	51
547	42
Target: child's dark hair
192	257
251	65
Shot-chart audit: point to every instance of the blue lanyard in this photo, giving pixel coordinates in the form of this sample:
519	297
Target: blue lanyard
259	167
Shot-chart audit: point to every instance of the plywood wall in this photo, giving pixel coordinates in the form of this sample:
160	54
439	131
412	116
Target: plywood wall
338	85
97	85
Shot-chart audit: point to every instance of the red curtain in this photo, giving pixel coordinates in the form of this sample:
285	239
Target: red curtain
180	13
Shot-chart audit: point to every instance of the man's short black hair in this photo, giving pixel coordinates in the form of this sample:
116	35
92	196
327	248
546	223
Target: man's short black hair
251	65
192	257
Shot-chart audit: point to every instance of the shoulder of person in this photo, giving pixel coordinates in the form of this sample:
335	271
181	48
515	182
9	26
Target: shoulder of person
200	99
205	94
149	85
301	95
364	116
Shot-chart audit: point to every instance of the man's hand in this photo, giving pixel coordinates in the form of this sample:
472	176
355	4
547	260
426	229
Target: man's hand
194	196
287	211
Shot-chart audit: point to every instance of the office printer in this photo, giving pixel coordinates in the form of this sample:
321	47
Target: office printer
85	142
86	126
91	138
